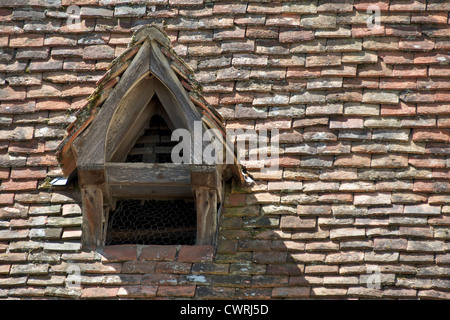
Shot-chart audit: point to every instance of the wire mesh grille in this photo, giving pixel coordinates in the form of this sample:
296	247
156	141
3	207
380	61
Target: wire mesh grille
155	145
158	222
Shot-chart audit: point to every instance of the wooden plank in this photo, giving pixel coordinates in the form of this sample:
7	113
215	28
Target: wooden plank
171	106
92	203
118	69
158	192
161	69
129	121
148	173
176	59
204	179
162	112
182	75
68	162
206	203
91	177
93	150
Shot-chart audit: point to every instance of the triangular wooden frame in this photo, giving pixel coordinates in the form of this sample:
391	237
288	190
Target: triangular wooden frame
101	142
149	74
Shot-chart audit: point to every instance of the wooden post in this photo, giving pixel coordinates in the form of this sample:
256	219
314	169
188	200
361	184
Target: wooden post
92	201
206	203
204	183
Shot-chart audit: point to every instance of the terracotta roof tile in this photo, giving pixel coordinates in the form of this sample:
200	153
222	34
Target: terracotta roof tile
363	121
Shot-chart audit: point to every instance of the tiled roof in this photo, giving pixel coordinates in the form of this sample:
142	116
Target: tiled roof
363	186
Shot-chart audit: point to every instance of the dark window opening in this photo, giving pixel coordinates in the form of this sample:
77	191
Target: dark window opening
152	222
155	145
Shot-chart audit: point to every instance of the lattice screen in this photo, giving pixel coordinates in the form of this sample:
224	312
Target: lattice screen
159	222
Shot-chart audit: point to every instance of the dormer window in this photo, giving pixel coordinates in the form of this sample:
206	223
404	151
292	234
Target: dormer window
120	148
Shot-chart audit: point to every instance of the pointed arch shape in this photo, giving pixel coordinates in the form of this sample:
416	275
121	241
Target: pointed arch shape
112	121
149	74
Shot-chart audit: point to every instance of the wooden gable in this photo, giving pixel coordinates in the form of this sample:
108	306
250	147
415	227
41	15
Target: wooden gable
120	106
147	80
